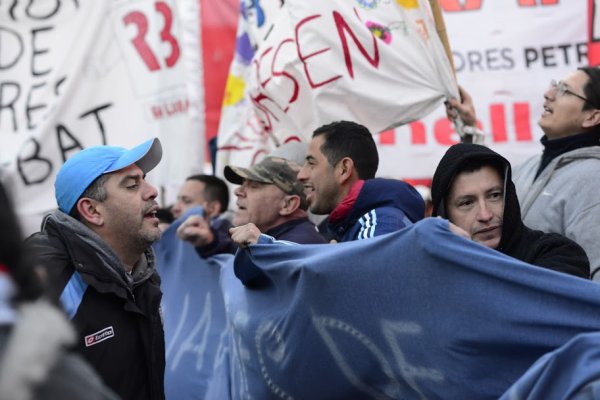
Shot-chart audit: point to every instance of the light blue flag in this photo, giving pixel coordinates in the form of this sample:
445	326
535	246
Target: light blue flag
420	313
193	314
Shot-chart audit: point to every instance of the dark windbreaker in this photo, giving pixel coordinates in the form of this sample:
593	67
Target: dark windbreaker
117	315
548	250
382	206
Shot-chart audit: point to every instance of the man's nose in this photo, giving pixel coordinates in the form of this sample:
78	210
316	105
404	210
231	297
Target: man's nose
484	213
175	210
151	192
302	176
239	192
550	93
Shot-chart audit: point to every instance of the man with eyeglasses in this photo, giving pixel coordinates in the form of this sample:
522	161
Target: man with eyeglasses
558	191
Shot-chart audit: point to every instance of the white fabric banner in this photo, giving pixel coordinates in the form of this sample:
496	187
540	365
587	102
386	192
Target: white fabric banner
78	74
505	53
309	63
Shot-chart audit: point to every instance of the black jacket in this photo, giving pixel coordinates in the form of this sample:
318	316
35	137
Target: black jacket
299	230
548	250
116	315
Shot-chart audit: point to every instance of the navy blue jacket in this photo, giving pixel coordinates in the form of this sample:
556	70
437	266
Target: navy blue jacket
382	206
299	230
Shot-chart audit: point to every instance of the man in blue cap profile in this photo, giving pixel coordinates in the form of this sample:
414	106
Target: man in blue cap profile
96	251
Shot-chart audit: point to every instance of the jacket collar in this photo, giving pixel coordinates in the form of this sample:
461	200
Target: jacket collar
280	229
76	233
557	147
343	209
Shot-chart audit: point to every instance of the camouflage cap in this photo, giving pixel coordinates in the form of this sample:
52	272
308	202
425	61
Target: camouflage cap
276	170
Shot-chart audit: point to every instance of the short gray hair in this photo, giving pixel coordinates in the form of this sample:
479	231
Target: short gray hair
95	191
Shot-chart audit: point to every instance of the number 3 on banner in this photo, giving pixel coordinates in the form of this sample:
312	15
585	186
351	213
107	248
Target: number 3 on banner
139	41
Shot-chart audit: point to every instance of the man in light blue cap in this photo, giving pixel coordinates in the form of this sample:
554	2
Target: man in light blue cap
96	251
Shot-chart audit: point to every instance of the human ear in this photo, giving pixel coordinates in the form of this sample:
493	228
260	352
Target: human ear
213	208
345	169
88	210
592	119
290	204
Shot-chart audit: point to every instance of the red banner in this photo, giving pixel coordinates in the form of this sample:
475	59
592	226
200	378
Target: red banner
593	32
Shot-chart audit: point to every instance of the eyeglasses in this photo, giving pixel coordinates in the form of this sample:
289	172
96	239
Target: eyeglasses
561	90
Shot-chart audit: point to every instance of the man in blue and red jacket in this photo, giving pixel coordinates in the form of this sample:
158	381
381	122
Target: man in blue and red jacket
338	179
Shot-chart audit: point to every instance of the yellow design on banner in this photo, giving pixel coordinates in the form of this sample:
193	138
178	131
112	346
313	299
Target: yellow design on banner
234	91
408	3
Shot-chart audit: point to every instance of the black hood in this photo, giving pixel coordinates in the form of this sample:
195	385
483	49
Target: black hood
444	175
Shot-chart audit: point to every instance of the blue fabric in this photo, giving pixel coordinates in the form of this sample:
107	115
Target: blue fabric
193	313
418	313
570	372
72	294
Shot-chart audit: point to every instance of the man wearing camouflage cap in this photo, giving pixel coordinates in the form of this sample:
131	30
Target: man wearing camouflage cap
270	200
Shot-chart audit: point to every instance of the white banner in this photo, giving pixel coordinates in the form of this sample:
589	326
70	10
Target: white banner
505	53
308	63
78	74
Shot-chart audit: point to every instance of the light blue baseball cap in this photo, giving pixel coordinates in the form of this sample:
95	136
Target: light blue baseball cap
79	171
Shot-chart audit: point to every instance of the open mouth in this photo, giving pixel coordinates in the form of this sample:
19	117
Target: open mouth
151	213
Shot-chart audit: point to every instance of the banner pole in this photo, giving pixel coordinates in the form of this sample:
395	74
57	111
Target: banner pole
467	134
440	27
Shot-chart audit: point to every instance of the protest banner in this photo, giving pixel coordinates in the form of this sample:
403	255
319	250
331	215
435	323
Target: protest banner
79	74
193	313
505	53
594	32
397	317
323	61
55	100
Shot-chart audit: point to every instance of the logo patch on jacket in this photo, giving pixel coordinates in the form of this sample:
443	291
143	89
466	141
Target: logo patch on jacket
99	336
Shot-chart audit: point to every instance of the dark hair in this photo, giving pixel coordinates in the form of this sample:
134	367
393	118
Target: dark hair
214	189
12	255
95	191
591	89
349	139
476	163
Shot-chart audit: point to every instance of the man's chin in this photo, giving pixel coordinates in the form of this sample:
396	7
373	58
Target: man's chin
317	209
239	220
153	235
492	243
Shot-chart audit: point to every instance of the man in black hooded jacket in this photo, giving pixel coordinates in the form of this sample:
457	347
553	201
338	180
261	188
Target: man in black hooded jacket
96	254
472	188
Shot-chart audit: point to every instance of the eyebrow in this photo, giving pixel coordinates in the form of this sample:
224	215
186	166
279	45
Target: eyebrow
497	187
565	84
135	178
469	195
462	197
